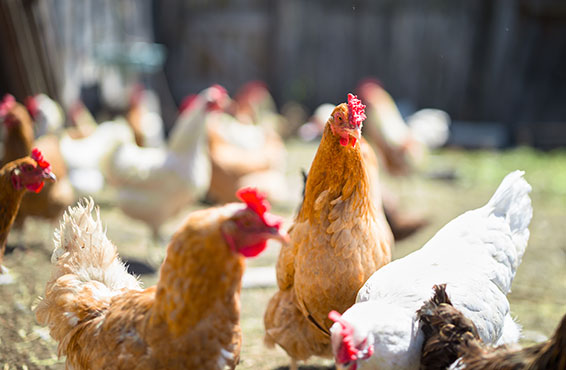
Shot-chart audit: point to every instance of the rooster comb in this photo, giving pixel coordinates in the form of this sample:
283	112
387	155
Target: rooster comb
38	157
348	352
32	106
6	104
356	110
254	199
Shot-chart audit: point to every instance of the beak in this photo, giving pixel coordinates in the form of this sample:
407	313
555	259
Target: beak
49	176
355	132
277	234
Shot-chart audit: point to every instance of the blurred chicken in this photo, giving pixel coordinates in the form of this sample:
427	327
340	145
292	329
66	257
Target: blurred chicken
145	119
254	104
18	129
83	154
477	255
243	155
338	239
82	121
401	146
28	173
47	114
154	184
451	341
103	319
314	128
18	138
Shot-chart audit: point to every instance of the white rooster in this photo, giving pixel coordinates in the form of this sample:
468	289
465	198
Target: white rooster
155	183
476	255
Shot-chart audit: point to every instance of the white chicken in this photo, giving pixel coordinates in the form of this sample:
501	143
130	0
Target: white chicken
155	183
47	114
83	156
476	255
144	115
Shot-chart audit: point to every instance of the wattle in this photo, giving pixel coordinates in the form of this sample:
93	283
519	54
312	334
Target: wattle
253	250
36	188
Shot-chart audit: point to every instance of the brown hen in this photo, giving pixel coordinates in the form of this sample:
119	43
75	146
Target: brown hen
18	140
339	238
28	173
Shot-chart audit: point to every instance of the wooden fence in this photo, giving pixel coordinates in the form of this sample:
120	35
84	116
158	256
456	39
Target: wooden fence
481	60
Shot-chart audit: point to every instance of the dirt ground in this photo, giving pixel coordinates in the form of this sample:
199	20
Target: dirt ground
538	299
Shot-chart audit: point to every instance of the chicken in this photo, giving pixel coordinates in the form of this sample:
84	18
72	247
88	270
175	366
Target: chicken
243	155
103	319
18	139
83	123
83	154
28	173
154	184
402	225
339	238
387	130
476	255
145	119
18	129
254	104
55	197
452	341
47	114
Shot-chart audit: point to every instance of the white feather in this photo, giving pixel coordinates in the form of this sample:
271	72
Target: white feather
82	245
476	255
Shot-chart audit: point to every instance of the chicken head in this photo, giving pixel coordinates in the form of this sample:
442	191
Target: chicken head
346	121
32	172
347	351
248	230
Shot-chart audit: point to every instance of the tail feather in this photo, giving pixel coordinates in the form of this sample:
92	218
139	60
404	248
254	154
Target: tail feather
448	333
88	273
511	201
83	249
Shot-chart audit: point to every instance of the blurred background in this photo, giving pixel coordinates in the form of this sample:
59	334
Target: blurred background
459	93
499	64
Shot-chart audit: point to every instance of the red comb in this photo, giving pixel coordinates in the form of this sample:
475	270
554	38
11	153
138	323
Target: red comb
356	110
218	92
348	351
188	103
32	106
254	200
38	157
6	104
